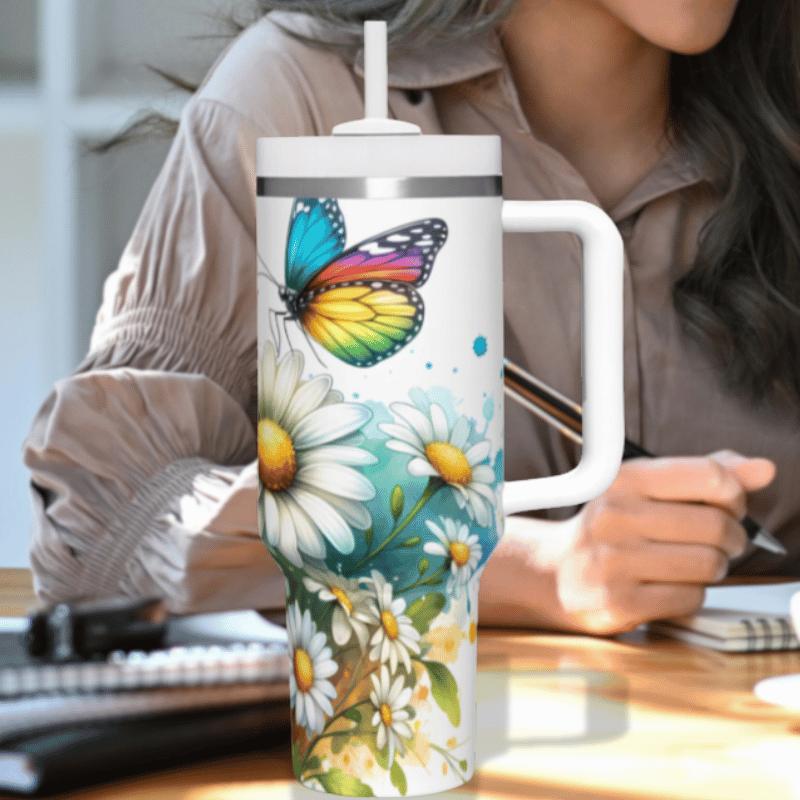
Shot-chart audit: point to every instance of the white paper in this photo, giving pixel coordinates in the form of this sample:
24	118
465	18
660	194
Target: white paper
763	598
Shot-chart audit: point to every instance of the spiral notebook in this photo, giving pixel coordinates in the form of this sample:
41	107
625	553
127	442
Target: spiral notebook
743	618
219	686
243	659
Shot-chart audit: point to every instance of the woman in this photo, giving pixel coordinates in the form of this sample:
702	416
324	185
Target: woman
680	120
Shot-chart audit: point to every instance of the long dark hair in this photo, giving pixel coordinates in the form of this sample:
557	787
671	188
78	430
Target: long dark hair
735	112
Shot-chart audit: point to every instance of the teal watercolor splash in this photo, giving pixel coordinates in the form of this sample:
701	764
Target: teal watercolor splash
399	564
480	346
488	414
498	468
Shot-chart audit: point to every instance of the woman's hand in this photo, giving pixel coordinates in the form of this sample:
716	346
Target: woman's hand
643	550
650	543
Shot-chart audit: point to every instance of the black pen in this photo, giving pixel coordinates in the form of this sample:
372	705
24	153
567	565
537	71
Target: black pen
566	415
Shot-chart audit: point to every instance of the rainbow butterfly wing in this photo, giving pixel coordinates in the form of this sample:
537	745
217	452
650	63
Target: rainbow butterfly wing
362	304
316	236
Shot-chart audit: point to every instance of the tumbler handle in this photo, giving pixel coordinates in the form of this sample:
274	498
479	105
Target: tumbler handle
601	353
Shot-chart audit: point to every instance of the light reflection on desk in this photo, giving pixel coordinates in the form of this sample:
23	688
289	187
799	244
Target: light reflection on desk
632	717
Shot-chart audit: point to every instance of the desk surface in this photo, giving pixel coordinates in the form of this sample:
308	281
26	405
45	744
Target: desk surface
635	716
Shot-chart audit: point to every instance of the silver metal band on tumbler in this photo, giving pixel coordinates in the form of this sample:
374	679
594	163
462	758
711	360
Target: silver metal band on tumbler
383	188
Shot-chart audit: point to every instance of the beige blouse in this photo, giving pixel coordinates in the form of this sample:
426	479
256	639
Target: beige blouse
143	460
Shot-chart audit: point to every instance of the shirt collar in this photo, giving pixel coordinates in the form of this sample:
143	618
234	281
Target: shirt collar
446	64
673	172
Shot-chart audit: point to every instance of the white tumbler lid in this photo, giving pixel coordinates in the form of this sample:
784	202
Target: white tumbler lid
384	156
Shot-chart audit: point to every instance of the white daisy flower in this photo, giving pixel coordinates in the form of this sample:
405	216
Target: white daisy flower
350	613
391	712
457	544
310	488
395	636
441	452
312	664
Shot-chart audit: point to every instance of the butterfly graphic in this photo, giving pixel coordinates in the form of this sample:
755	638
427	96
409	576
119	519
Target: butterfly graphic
360	304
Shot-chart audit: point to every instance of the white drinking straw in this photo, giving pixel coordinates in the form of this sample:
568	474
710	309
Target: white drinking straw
376	89
376	71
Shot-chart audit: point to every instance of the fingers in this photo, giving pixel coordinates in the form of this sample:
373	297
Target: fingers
605	610
661	562
699	555
661	600
721	480
646	547
633	522
752	473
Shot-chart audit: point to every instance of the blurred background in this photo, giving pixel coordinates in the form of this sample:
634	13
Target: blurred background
73	73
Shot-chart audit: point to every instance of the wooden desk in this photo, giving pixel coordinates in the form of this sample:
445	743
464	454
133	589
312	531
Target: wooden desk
636	716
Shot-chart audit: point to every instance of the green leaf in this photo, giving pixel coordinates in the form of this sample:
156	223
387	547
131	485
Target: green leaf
353	714
412	542
368	536
463	765
444	690
296	758
423	565
425	609
335	781
398	778
397	501
313	763
381	756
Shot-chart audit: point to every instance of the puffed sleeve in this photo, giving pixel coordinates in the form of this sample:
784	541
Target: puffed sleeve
144	479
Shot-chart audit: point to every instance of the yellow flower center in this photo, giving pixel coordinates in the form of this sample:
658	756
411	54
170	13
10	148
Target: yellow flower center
276	461
343	599
390	625
303	670
450	462
386	715
460	553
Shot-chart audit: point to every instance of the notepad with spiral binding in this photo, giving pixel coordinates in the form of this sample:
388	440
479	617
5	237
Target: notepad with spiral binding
34	696
177	666
723	629
217	680
67	725
738	619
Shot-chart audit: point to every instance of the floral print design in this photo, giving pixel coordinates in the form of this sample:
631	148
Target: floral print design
391	712
351	613
457	544
439	451
370	656
310	691
311	489
395	636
